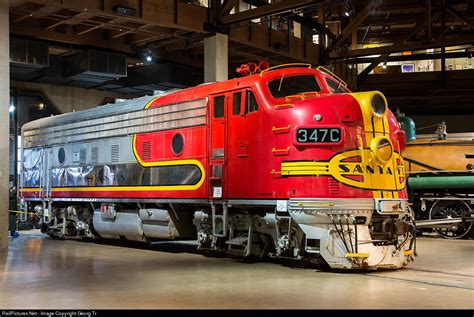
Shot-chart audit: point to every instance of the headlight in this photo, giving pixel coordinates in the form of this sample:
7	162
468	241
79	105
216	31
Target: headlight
378	104
382	149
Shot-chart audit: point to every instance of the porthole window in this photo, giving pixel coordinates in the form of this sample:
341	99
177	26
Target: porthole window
61	156
177	144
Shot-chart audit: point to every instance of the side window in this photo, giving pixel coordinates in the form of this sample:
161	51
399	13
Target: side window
219	106
236	102
251	104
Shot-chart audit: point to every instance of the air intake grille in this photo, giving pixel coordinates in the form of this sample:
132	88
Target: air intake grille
146	150
83	156
95	155
333	186
115	153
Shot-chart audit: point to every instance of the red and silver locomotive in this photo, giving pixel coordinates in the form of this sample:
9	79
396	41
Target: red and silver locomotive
285	162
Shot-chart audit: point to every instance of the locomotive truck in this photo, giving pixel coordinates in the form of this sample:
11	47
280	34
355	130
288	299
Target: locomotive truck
283	162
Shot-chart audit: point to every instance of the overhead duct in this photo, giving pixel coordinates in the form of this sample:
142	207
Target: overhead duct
90	68
162	77
27	56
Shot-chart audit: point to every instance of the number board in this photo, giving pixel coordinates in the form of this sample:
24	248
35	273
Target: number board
318	135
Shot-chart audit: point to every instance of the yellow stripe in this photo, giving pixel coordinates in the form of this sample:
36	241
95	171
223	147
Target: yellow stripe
30	190
408	252
357	255
127	188
149	103
145	188
376	194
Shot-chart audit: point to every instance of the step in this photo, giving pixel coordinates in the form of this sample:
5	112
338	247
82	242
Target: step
239	241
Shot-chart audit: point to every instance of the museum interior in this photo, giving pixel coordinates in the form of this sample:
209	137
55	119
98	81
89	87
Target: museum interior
236	154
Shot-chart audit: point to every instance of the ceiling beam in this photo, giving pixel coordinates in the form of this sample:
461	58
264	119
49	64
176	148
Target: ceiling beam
428	19
55	24
448	41
309	23
353	24
131	30
320	28
459	16
87	40
402	40
186	16
227	6
98	26
270	9
411	57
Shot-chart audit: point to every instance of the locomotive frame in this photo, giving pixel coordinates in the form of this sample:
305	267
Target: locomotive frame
223	163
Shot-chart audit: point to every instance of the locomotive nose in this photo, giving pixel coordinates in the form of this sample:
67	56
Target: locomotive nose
374	109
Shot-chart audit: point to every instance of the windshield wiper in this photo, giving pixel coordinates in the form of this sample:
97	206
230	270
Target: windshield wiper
281	82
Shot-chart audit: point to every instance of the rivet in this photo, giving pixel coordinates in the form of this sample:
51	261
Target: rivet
317	117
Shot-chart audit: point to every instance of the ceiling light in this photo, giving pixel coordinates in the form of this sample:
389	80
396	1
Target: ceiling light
11	108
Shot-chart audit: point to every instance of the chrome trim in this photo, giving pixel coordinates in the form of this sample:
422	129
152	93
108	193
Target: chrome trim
331	204
398	205
262	202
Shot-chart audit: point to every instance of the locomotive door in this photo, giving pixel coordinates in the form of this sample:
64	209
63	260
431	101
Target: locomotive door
217	146
46	173
46	181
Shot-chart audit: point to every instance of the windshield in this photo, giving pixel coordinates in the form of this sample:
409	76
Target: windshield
293	85
336	87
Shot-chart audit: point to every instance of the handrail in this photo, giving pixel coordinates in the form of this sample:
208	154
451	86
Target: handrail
324	69
286	65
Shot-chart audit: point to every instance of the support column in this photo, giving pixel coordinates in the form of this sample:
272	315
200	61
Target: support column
4	121
321	21
354	39
216	60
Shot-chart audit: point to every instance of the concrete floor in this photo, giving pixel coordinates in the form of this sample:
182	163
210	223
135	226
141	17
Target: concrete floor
40	273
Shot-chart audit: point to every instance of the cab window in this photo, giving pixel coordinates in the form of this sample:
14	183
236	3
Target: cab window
251	104
219	106
292	85
336	87
236	102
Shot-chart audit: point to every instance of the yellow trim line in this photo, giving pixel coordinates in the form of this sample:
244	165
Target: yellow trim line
136	188
30	190
357	255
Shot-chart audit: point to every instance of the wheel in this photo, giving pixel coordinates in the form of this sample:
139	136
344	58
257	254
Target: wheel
449	209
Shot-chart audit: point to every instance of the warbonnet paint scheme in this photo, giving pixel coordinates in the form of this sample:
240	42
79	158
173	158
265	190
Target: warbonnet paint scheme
285	162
